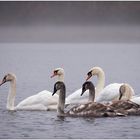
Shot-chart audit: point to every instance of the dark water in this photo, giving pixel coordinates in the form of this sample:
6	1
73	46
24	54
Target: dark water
33	65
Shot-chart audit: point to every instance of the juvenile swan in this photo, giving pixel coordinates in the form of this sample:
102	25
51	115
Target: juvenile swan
41	101
90	109
121	107
110	92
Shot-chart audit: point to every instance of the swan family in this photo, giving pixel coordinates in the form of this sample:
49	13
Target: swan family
94	109
116	99
88	109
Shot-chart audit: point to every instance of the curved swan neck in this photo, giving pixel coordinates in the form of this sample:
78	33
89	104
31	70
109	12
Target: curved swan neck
101	82
91	95
127	93
61	103
11	95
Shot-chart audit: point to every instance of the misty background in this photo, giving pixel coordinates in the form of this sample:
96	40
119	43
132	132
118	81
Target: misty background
70	21
38	36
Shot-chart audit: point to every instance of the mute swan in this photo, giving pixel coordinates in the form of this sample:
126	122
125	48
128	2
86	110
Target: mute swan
125	94
90	109
73	98
120	107
60	73
41	101
110	92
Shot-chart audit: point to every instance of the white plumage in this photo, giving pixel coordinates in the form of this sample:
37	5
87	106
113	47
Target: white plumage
110	92
76	98
41	101
136	100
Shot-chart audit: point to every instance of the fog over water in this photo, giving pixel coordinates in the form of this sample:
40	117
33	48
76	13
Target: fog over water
70	21
33	64
36	37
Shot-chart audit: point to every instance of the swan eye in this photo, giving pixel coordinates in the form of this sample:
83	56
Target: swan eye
57	86
4	79
84	88
56	71
89	73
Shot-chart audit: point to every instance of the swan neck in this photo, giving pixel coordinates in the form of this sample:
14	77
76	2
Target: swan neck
91	95
61	78
127	94
61	103
100	83
11	95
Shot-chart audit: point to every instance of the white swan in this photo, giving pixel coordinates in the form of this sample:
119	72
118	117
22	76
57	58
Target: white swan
110	92
90	109
125	91
41	101
73	98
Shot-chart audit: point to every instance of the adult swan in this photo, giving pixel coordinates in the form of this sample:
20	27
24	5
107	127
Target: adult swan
110	92
41	101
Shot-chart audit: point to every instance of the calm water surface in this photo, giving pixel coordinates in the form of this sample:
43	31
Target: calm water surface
33	65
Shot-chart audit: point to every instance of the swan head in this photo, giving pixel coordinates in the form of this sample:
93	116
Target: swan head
7	78
94	71
58	71
125	92
58	86
88	85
